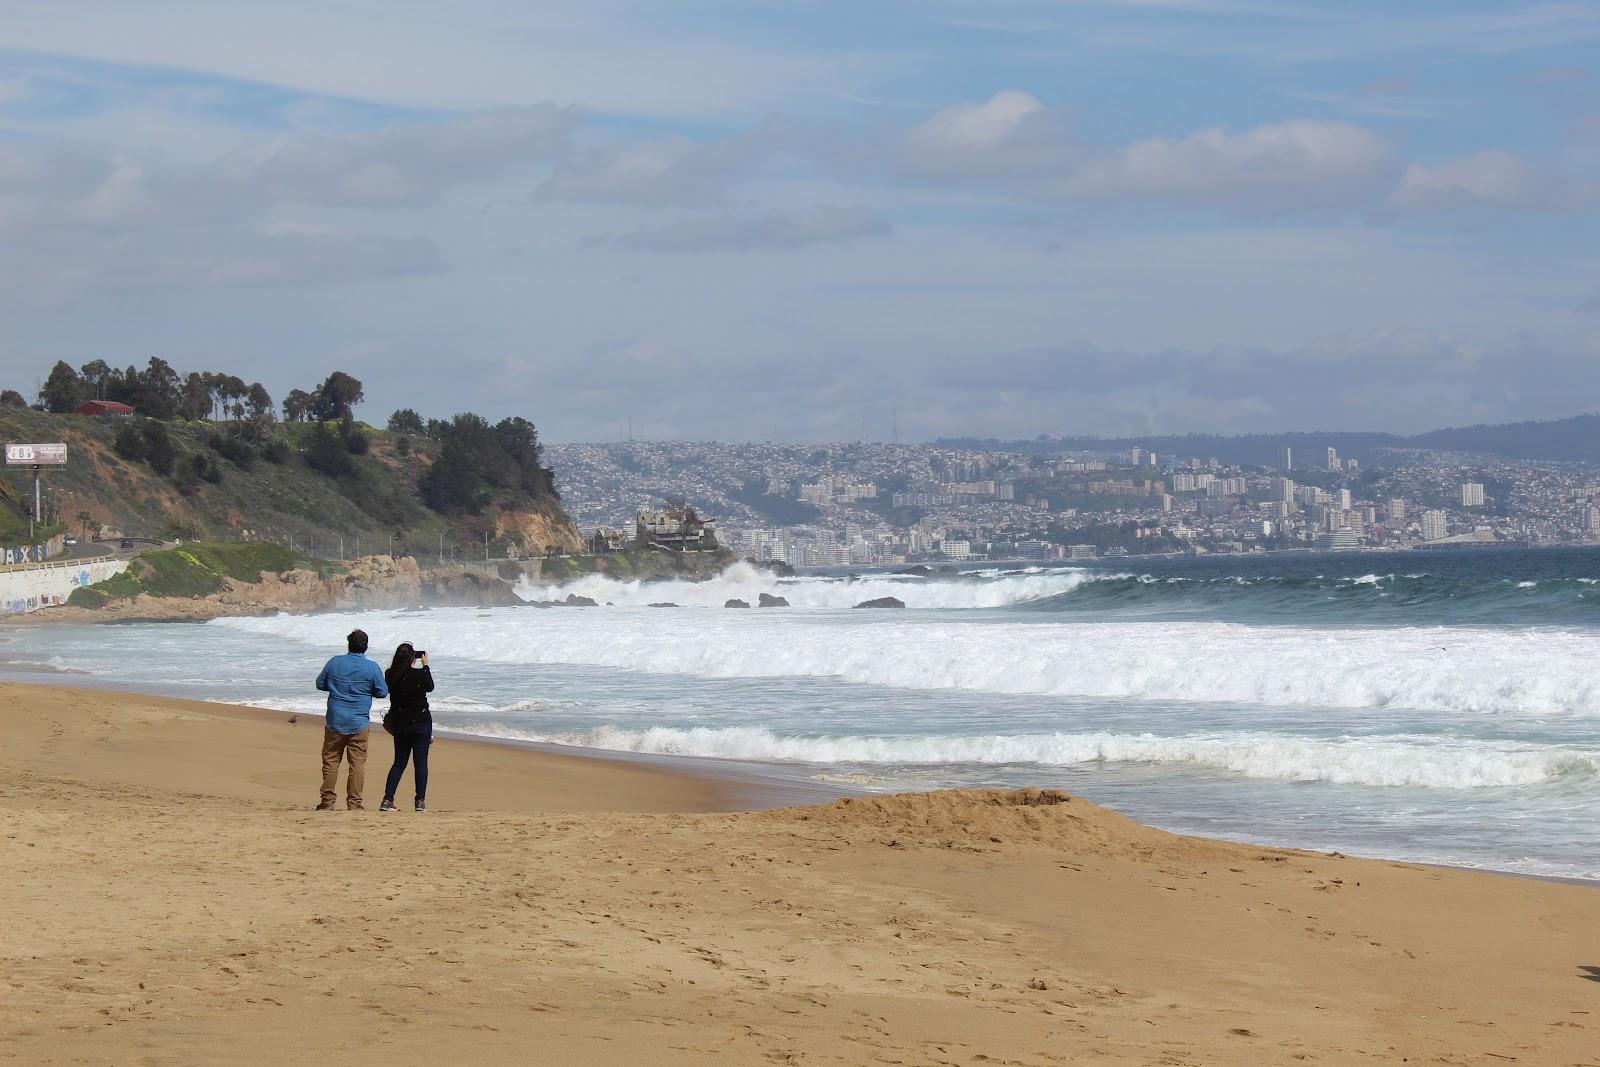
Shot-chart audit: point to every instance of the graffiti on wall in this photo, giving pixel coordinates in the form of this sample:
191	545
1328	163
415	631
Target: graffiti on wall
49	585
25	554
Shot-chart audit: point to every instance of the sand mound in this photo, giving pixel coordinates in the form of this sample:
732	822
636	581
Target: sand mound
984	819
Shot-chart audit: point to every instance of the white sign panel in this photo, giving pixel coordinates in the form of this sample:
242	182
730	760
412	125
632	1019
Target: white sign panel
53	455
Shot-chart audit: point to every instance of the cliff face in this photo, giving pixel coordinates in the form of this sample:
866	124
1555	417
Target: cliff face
370	582
538	531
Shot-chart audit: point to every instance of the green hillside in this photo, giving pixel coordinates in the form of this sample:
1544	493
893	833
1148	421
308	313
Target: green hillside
195	569
303	484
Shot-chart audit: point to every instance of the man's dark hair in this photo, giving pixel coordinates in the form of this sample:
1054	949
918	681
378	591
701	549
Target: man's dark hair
357	640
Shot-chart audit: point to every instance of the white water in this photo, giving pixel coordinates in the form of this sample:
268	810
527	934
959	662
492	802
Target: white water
744	582
1466	744
1426	669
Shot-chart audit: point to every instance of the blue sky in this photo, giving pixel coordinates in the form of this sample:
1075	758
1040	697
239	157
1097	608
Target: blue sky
756	221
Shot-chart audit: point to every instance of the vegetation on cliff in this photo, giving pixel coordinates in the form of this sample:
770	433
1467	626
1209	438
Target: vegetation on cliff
207	457
195	569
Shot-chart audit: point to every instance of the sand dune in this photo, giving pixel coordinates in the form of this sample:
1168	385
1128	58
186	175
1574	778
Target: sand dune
171	900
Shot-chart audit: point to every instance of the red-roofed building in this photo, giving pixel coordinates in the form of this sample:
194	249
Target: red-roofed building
103	407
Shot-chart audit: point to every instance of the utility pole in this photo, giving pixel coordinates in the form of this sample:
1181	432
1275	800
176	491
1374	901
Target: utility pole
441	546
486	546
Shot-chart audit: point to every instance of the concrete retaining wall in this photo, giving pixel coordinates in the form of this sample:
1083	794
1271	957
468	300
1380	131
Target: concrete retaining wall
33	553
50	584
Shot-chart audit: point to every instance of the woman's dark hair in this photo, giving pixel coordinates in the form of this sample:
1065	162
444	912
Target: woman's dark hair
403	655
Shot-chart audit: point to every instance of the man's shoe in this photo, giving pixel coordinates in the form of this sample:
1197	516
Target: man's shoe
387	805
326	807
422	806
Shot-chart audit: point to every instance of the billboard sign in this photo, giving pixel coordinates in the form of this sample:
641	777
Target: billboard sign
51	455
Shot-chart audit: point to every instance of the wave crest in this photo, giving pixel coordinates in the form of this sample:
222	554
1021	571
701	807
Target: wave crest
1393	761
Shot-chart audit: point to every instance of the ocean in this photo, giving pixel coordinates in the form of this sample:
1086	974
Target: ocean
1433	706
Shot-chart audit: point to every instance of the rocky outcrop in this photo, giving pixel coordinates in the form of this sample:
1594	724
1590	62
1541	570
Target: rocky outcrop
882	602
736	603
768	600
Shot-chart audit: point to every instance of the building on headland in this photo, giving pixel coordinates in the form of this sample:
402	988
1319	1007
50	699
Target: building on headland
606	540
1286	459
1435	525
677	529
103	407
1333	460
1472	494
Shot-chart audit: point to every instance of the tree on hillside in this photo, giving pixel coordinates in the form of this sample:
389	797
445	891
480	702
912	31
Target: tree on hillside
450	486
297	406
231	392
406	421
336	396
159	390
63	390
97	374
327	452
258	404
13	399
194	403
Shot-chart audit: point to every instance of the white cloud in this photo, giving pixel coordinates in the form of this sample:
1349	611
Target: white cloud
673	170
768	230
399	165
1494	179
1301	163
1009	135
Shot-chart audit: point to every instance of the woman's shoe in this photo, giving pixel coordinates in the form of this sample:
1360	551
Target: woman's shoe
387	805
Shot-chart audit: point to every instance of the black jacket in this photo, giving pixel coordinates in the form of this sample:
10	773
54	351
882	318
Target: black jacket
408	699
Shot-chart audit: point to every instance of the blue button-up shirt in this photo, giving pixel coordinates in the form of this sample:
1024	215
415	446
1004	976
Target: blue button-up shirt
351	681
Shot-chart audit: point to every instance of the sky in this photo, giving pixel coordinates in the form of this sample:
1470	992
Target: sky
818	221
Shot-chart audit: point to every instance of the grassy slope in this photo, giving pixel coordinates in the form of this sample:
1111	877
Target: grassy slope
269	501
195	569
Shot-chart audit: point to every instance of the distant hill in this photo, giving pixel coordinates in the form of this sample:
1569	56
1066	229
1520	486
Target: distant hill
1575	439
289	488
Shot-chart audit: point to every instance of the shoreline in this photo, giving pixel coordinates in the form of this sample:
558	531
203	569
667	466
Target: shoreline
750	785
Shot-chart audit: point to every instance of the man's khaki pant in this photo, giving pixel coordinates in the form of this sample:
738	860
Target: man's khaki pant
354	746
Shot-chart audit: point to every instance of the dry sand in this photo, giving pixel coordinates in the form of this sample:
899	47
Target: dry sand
170	899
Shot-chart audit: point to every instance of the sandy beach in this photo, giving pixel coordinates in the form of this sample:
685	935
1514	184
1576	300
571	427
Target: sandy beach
172	899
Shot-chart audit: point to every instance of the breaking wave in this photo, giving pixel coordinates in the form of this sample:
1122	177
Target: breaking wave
1440	669
1368	599
976	590
1427	762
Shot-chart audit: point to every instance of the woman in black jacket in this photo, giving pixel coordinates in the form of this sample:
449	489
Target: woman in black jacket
410	681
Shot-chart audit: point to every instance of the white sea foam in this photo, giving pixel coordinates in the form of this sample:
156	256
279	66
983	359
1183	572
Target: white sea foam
979	589
1391	761
1436	669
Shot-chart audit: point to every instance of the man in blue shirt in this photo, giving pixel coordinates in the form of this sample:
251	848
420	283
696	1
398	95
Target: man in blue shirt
351	681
